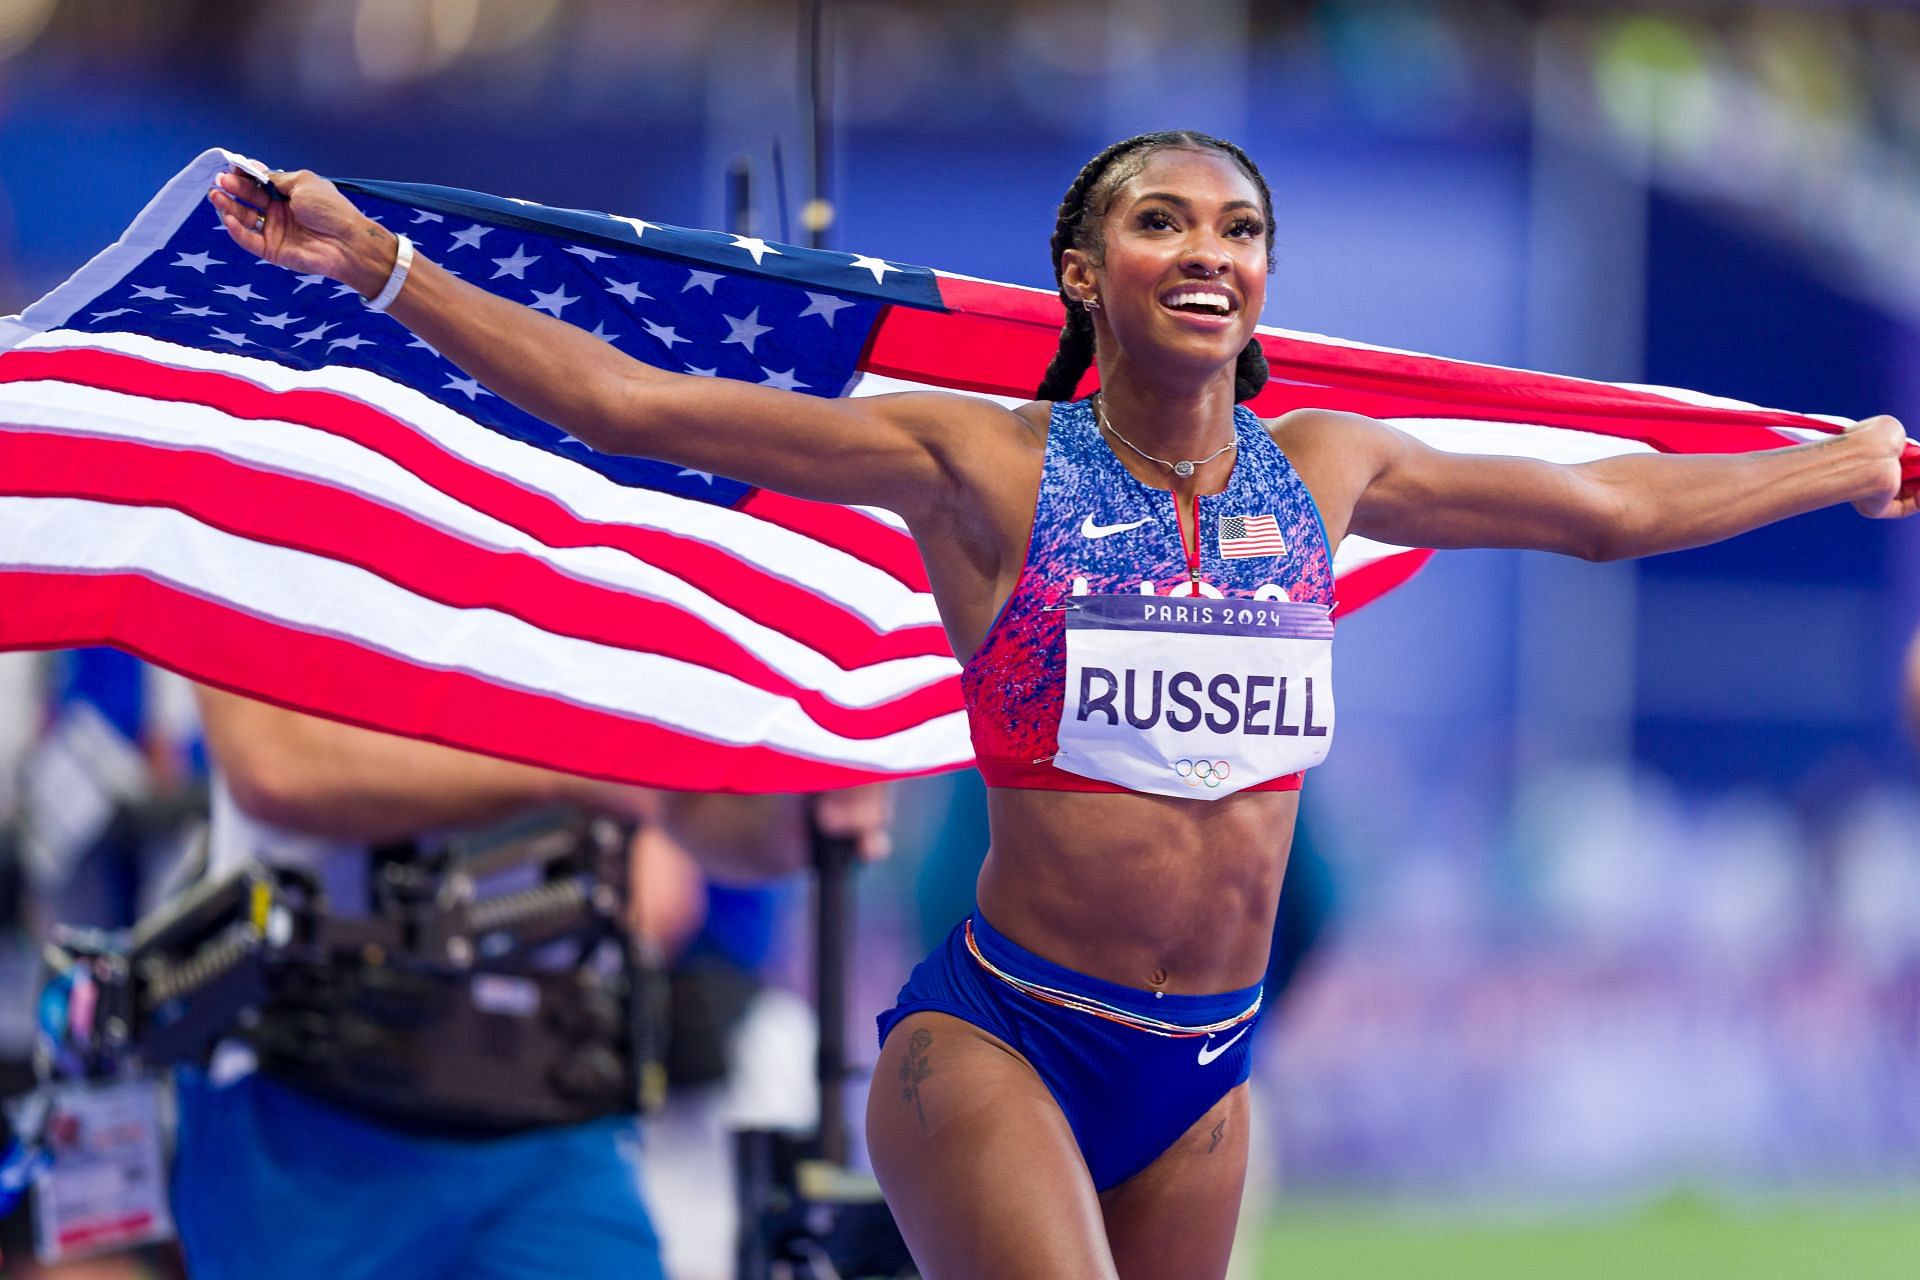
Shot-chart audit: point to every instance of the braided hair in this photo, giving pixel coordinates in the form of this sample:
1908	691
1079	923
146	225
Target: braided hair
1078	227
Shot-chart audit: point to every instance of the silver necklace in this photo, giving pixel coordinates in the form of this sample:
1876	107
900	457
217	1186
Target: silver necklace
1183	468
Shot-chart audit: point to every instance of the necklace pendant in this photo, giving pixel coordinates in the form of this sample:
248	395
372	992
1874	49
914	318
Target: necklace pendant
1183	468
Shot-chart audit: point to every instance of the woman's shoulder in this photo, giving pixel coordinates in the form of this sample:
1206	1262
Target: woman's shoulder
1353	437
961	424
1035	417
1317	425
1334	453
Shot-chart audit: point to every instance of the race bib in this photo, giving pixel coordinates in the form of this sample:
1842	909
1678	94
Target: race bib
106	1186
1195	697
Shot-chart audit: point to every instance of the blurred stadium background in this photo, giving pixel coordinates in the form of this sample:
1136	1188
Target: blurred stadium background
1622	965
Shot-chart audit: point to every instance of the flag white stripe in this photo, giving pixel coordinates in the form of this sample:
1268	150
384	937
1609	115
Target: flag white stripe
1356	551
1518	439
312	593
1504	439
870	593
880	384
303	451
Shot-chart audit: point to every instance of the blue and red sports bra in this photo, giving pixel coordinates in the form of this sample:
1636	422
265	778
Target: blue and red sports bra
1099	532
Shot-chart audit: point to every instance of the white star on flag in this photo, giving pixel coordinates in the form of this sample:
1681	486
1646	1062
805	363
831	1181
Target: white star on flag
704	475
468	239
108	315
745	330
878	266
600	332
318	331
195	311
344	290
154	293
307	280
468	387
553	303
423	344
640	225
280	321
784	381
824	305
352	342
703	373
662	332
237	339
591	255
756	246
515	266
631	293
198	261
701	280
244	292
422	215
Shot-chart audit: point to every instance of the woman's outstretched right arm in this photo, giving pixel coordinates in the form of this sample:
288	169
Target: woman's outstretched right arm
890	451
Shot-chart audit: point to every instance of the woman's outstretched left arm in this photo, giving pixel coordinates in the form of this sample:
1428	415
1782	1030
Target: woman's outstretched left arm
924	455
1634	505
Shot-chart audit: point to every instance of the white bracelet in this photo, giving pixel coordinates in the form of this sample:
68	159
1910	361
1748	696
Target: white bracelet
402	263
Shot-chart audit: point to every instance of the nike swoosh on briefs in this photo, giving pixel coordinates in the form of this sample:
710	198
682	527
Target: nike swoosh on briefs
1208	1052
1088	529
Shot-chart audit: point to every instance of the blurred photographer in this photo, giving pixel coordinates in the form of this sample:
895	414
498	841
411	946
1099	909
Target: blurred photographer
273	1178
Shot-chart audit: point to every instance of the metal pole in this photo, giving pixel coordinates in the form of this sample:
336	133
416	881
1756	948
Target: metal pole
739	196
833	858
816	75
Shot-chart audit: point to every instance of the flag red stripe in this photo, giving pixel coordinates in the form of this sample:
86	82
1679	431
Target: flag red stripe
964	352
971	352
213	644
842	635
860	536
1006	323
1667	426
1411	374
1366	583
272	508
1010	304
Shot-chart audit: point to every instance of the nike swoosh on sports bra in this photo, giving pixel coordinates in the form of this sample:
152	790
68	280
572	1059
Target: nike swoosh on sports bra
1261	539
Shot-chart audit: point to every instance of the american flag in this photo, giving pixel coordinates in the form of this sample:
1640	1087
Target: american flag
1243	536
241	474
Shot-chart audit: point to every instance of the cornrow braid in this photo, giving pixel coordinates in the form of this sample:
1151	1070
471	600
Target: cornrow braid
1072	358
1078	227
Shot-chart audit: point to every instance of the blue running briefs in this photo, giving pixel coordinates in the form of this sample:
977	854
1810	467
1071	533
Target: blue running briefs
1127	1094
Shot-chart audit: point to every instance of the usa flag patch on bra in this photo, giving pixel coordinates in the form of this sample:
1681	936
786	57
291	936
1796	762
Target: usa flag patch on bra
1242	536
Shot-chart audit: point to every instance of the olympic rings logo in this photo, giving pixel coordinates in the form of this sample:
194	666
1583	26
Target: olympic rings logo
1202	773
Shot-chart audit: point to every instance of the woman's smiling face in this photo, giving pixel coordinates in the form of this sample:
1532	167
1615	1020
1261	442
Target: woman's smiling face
1180	261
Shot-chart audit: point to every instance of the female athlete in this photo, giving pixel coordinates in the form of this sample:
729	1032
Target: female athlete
1060	1091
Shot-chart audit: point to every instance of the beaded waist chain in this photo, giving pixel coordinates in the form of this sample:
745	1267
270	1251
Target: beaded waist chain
1101	1009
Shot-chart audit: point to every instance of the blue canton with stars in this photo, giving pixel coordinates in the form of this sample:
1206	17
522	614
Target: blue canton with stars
690	301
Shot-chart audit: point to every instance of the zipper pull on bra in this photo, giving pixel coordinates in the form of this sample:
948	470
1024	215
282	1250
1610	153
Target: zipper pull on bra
1193	557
